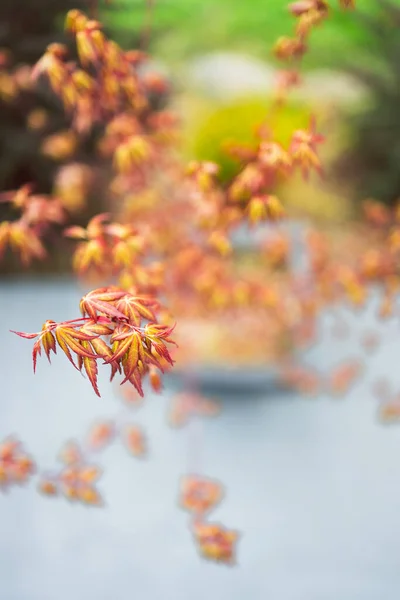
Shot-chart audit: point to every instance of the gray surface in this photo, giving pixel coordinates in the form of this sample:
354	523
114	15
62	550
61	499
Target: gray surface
313	484
227	76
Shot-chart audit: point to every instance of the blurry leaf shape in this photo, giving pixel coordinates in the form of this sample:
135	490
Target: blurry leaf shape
134	440
199	494
101	434
215	542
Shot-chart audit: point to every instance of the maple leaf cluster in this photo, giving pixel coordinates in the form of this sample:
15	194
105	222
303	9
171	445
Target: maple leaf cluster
249	197
100	435
105	247
135	440
111	330
267	166
106	94
308	14
16	466
13	82
76	480
216	542
198	496
37	213
103	433
90	98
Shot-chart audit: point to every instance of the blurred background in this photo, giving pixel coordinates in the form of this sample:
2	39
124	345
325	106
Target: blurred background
312	483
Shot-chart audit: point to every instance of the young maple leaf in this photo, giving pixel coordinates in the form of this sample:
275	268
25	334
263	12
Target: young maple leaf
130	395
90	366
389	412
70	492
89	495
126	245
22	239
303	149
88	474
127	348
22	468
70	338
16	466
273	156
134	440
101	434
76	481
101	302
48	486
199	494
93	253
249	182
101	348
219	241
69	476
215	542
76	485
386	307
136	308
71	454
344	376
302	7
137	349
265	207
286	48
75	21
158	335
52	66
377	214
19	197
90	43
155	379
101	326
93	249
9	448
36	209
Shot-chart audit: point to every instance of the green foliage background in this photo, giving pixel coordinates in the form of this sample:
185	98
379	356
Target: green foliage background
208	136
187	27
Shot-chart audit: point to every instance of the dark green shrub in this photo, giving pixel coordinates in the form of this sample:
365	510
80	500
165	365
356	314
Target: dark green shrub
372	162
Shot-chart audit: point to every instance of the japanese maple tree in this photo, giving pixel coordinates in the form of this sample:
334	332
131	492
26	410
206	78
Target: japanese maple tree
163	254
